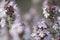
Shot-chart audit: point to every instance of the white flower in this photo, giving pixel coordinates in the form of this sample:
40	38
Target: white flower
46	14
2	12
42	24
11	3
41	34
37	38
44	10
15	6
33	34
56	26
57	9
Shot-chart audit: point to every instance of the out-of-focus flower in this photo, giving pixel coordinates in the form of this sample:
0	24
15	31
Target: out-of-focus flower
3	16
33	11
17	27
2	12
27	17
27	32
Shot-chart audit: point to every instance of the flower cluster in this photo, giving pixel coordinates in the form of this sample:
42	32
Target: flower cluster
50	9
40	31
9	11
